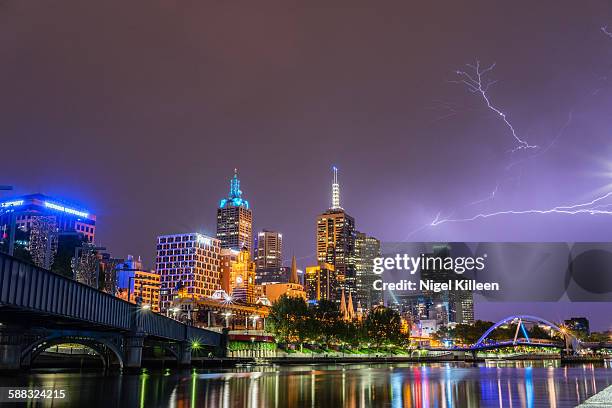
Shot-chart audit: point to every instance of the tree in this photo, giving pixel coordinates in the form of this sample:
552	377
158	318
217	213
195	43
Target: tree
288	319
20	250
65	252
383	326
537	332
326	322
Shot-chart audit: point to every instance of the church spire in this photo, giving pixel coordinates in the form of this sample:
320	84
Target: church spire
294	275
343	311
335	190
350	308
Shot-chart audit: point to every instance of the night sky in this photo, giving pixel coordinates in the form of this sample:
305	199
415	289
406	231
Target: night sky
139	111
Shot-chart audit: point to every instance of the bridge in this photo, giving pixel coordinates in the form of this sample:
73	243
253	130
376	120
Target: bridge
40	309
568	342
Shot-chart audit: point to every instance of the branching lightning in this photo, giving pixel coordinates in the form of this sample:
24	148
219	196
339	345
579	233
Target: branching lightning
592	207
476	83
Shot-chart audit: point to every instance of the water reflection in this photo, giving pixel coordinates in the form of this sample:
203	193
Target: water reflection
503	384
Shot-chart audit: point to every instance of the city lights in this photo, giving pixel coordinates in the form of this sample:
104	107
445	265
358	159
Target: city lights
15	203
66	209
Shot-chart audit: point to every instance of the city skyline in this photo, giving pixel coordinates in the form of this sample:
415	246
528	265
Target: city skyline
557	311
145	131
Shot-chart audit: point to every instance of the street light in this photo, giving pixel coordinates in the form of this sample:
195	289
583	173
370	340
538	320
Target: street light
146	306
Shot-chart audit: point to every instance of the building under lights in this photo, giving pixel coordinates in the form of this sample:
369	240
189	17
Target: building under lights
336	241
188	265
24	211
238	275
268	250
136	285
321	282
235	219
366	249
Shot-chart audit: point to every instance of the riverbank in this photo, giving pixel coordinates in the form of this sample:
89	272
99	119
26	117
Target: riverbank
49	361
602	399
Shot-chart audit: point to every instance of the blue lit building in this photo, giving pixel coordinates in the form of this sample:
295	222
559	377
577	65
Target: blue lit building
25	209
235	219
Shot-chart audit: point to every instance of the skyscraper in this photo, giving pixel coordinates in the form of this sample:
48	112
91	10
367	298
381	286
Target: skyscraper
447	306
366	249
187	262
23	211
320	282
235	219
336	240
268	250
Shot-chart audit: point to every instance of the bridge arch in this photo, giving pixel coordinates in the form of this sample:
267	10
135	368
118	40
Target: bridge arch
104	348
533	319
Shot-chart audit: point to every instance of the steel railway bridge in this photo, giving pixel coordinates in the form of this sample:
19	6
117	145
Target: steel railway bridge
40	309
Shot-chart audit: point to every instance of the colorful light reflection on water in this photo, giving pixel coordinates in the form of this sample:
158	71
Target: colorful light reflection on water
443	385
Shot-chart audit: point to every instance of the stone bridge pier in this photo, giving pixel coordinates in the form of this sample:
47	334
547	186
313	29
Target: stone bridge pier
11	345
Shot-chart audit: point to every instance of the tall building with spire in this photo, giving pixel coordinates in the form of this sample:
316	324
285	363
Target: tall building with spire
235	219
336	240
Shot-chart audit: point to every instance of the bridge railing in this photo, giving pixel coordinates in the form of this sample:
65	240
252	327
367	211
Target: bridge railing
27	287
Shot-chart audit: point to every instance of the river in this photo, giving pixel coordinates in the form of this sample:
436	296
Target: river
502	384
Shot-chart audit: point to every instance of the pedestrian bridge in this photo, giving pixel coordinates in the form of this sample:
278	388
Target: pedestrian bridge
39	308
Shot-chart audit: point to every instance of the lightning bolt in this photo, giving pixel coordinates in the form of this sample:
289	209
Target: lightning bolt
476	83
591	208
604	29
490	197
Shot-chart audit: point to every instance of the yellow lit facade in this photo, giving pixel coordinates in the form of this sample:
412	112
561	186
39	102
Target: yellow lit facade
273	291
321	282
144	290
336	246
238	274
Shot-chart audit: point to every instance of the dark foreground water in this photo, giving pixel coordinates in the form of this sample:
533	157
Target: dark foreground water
510	384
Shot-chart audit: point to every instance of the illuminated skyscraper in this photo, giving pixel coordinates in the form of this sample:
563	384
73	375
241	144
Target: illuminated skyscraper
268	250
366	249
321	282
187	264
336	240
23	212
235	219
